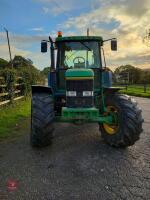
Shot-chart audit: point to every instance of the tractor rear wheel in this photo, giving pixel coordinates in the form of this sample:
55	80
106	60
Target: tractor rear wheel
127	127
42	116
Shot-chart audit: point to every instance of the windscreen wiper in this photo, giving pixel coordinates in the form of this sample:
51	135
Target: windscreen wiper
85	46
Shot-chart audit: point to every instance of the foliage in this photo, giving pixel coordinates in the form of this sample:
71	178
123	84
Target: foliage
134	73
20	61
45	71
31	76
3	63
23	68
145	77
10	80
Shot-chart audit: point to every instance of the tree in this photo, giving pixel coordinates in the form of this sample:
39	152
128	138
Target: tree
45	71
20	61
3	62
134	73
145	76
24	68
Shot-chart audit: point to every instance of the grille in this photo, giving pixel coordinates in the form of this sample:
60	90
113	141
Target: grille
79	86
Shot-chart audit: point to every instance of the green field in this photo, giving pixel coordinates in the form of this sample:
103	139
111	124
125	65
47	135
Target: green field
136	90
12	117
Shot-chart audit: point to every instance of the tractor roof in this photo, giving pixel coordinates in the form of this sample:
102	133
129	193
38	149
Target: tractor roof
79	38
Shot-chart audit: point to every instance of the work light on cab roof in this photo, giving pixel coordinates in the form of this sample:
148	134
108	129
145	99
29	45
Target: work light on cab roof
59	33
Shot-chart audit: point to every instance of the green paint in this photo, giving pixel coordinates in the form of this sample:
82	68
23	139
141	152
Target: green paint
79	73
84	114
80	38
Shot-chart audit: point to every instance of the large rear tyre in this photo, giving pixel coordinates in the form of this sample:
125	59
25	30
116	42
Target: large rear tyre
42	117
128	126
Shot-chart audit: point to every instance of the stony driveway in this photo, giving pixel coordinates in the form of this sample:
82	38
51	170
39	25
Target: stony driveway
78	165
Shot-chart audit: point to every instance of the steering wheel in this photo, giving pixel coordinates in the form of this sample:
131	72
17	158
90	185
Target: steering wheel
79	59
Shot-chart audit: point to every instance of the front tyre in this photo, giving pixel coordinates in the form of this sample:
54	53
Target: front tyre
42	117
128	124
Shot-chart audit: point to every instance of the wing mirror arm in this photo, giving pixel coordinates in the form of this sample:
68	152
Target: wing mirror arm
52	48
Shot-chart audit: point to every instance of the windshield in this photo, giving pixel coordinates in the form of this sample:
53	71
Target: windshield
79	54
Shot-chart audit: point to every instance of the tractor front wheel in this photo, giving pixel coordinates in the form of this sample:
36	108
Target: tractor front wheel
42	116
127	126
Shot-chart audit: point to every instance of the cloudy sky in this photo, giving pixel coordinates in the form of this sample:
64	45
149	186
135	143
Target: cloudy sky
30	21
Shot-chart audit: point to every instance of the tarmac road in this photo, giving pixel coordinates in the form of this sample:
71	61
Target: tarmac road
78	165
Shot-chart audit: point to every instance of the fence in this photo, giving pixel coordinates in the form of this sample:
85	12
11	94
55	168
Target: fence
144	88
141	87
141	90
11	91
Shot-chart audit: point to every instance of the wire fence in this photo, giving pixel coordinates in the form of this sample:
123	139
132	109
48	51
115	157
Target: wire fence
145	88
142	90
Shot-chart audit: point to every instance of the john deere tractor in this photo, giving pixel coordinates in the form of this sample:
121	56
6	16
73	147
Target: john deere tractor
80	91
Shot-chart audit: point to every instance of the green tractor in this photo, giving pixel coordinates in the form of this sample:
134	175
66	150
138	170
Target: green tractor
80	91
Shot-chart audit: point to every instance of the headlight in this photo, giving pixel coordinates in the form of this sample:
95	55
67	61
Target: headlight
71	93
87	93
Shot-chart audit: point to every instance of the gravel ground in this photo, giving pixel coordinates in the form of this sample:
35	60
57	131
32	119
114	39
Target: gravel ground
78	165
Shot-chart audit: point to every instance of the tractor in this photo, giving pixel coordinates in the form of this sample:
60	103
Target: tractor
80	91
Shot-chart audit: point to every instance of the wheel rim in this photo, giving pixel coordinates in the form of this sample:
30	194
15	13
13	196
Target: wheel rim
113	128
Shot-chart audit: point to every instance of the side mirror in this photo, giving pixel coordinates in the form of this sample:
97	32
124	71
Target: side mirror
114	45
43	46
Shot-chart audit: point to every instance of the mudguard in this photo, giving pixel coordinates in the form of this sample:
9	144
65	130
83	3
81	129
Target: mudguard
41	89
111	90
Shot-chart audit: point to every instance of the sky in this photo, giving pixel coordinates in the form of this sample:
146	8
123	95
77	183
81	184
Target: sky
30	21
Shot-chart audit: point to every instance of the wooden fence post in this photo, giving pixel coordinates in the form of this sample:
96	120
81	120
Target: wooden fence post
10	86
145	88
10	89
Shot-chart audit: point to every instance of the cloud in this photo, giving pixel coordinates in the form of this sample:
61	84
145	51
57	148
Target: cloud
125	19
26	46
5	53
38	29
128	21
39	60
56	8
23	40
46	10
65	7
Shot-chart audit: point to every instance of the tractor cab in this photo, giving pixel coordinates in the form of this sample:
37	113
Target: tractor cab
78	53
77	59
77	76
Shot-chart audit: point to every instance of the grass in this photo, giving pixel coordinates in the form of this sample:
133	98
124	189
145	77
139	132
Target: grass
137	90
12	116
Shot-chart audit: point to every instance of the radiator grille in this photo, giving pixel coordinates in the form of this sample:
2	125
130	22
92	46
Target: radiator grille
79	86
